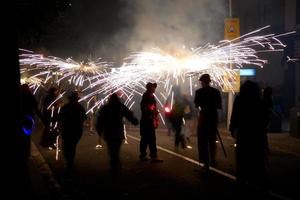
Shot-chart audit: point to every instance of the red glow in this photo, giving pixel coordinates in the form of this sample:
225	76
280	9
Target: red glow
167	109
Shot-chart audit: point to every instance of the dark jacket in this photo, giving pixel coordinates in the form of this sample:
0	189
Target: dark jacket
110	119
72	117
149	110
209	100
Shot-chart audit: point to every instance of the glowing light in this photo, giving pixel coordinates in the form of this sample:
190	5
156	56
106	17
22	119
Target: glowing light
27	131
167	109
57	147
125	135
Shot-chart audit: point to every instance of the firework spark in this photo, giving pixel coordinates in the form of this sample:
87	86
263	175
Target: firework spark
165	68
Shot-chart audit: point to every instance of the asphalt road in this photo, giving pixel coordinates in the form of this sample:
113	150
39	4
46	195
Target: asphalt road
179	176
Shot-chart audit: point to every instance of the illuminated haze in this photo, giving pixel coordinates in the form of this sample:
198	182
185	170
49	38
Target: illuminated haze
169	24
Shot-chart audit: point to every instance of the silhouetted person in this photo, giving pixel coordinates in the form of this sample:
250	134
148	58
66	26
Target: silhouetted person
177	115
50	109
248	124
268	97
167	113
269	103
29	108
110	126
148	124
72	117
208	100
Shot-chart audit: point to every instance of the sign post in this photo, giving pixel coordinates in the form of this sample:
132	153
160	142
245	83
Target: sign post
231	31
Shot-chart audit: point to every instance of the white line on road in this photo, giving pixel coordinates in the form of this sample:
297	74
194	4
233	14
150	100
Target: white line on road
201	164
189	159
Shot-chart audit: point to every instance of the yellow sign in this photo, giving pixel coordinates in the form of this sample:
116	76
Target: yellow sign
232	82
232	28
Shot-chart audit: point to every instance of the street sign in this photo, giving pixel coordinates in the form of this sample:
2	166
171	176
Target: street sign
232	28
232	31
247	72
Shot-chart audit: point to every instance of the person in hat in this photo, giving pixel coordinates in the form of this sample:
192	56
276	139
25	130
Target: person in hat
208	100
72	116
148	124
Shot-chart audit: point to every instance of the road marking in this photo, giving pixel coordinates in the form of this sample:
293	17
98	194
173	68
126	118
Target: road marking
189	159
210	168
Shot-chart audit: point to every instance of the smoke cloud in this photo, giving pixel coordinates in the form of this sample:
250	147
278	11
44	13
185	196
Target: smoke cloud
113	29
173	23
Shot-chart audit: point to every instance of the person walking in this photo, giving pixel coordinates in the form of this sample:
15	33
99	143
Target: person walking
208	100
110	126
177	116
72	117
50	110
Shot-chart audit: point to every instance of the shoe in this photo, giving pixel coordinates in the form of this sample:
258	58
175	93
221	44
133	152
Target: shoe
156	160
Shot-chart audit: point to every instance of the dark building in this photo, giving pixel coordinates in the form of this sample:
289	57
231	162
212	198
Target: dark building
283	16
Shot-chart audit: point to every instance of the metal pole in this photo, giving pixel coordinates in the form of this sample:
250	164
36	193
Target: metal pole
222	145
230	8
230	94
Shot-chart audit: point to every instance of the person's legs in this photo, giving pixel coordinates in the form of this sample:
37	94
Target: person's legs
152	144
143	147
203	150
69	150
114	152
212	149
202	140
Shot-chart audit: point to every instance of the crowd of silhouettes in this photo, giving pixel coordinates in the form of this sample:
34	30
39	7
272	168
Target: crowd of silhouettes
248	125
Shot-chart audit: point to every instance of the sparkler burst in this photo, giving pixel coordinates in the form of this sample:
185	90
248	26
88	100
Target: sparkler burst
165	68
56	69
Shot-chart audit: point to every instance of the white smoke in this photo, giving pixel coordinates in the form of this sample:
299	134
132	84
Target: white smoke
172	23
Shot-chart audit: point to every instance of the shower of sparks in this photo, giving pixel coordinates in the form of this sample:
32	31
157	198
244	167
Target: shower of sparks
57	70
33	82
167	69
57	147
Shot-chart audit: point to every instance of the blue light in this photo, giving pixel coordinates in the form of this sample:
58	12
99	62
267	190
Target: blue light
28	131
247	72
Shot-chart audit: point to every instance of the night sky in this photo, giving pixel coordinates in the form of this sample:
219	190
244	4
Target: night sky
112	29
